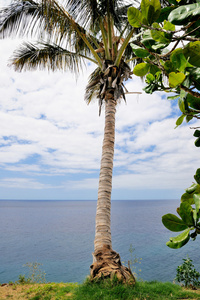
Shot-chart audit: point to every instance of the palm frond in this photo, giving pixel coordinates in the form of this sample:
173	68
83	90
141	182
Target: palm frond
85	12
12	17
47	17
41	17
44	55
93	87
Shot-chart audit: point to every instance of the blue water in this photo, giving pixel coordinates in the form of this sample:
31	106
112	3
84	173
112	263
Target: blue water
60	235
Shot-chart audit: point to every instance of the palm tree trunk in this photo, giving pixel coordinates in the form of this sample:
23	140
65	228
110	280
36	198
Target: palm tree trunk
106	262
103	229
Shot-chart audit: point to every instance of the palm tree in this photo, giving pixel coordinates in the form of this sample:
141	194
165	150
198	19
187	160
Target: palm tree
82	30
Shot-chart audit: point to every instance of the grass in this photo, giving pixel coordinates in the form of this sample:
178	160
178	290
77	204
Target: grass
107	290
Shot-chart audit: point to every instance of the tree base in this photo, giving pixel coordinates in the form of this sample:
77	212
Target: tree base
107	264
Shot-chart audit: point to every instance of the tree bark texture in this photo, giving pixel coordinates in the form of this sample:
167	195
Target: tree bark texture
106	262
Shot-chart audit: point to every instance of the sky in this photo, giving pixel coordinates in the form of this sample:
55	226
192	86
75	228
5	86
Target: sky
50	139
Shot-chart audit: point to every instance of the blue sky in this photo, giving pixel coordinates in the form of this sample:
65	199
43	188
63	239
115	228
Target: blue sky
50	140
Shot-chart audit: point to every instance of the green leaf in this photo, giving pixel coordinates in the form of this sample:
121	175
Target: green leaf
158	46
192	188
150	10
194	27
173	223
178	60
197	201
187	198
158	36
150	78
197	142
147	39
164	14
195	76
181	104
154	69
180	240
197	176
168	26
197	133
183	14
188	118
192	53
186	214
169	67
193	102
180	120
140	52
173	97
141	69
134	17
176	79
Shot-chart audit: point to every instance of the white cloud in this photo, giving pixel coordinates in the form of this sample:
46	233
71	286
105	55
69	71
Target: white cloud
48	130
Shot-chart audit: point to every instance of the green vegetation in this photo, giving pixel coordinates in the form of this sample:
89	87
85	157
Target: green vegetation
187	274
36	275
133	262
111	290
169	59
100	290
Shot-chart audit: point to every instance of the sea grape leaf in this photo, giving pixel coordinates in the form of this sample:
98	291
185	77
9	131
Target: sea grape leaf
176	79
192	53
184	13
192	188
173	97
150	10
150	78
186	213
158	36
140	52
180	240
197	201
169	67
197	142
141	69
164	14
181	104
197	176
195	72
147	39
168	26
194	28
154	69
173	223
187	198
188	118
197	134
158	45
134	17
193	102
178	60
180	120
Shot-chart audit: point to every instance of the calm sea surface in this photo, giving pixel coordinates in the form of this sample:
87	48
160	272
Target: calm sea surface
60	234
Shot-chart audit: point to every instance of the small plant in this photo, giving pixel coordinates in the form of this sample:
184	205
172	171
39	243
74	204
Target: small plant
131	264
187	274
36	275
23	280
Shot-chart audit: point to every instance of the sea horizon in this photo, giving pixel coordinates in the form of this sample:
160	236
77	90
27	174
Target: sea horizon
60	235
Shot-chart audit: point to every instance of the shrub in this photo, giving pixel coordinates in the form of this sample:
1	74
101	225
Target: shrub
187	274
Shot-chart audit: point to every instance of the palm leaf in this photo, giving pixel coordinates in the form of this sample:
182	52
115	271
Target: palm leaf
93	87
44	55
45	16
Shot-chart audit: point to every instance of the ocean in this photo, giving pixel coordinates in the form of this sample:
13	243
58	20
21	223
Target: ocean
60	236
